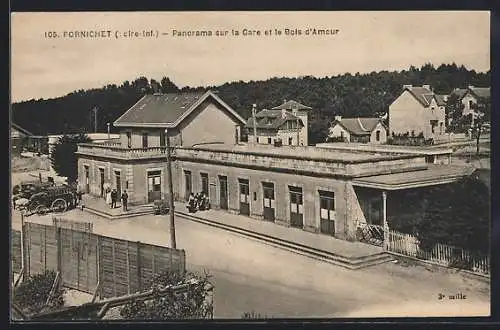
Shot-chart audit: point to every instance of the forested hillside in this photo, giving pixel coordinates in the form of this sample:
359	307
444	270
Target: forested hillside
346	95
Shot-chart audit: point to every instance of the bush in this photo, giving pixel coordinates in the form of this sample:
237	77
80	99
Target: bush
193	304
31	295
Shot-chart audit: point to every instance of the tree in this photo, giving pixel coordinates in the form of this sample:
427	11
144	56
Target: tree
480	116
457	214
454	114
63	157
31	295
194	304
168	86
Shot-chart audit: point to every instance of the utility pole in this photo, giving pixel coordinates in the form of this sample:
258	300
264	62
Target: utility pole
254	119
170	192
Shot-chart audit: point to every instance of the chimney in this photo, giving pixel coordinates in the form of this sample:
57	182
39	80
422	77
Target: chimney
284	101
407	87
283	113
445	98
338	118
426	87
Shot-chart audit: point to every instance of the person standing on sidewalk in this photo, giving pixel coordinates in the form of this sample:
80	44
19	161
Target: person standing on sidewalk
108	198
114	197
124	200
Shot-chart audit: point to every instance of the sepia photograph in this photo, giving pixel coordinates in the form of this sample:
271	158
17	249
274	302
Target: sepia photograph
249	165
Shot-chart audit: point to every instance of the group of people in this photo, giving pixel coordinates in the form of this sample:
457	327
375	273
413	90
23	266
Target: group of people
112	198
198	202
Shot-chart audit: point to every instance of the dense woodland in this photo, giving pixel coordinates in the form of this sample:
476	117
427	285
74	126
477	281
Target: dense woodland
346	95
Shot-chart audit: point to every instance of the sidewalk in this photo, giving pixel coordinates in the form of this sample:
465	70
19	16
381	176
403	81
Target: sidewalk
351	250
254	227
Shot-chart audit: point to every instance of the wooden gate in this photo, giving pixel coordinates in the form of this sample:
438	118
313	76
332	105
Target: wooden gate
369	233
79	259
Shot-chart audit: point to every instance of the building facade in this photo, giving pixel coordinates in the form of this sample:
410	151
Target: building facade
470	97
358	130
329	191
286	124
418	110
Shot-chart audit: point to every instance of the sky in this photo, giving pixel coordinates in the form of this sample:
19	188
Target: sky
43	66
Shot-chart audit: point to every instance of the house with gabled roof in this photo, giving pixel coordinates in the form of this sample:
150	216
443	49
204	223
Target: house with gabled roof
286	123
191	118
470	96
358	130
419	110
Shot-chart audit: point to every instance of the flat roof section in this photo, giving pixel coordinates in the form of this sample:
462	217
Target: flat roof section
305	152
416	150
433	175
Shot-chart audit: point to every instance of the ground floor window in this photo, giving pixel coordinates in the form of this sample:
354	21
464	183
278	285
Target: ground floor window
327	212
87	178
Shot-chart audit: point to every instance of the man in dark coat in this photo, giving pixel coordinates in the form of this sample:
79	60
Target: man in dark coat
114	197
124	200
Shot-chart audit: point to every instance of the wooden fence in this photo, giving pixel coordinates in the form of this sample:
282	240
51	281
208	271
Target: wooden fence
87	260
441	254
15	253
128	267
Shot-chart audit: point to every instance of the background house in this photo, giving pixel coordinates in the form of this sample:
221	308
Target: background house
469	97
419	110
360	130
18	138
286	123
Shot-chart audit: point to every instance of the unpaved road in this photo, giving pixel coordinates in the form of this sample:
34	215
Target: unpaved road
251	276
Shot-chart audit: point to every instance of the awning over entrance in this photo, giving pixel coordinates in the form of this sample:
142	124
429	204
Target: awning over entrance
432	175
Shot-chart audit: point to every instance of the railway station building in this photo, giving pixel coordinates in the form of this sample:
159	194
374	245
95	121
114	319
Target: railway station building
326	190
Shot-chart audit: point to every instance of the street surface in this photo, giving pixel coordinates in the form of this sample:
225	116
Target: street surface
251	276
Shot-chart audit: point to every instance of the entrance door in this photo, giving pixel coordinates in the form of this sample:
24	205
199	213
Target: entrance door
223	192
327	212
154	186
118	183
101	181
188	185
296	207
244	197
87	179
268	190
204	183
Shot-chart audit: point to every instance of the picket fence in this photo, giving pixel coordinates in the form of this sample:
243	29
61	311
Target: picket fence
441	254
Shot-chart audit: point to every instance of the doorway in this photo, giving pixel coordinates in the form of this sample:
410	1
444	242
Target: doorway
154	186
244	196
223	192
268	192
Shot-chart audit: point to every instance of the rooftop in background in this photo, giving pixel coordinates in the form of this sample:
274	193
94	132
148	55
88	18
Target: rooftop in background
480	92
387	148
292	105
359	126
166	110
305	152
271	119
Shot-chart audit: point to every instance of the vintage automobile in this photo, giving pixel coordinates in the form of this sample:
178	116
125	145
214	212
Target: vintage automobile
53	199
26	189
